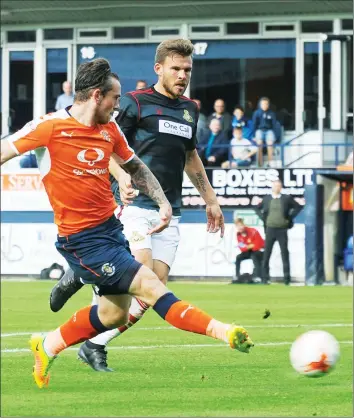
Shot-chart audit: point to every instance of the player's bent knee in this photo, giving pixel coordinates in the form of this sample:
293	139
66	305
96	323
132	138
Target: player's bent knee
112	318
147	286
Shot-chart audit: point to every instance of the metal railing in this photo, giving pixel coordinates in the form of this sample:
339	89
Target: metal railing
286	154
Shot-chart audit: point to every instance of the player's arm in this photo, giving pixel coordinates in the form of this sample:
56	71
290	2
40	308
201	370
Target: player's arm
197	175
7	152
126	190
148	184
33	135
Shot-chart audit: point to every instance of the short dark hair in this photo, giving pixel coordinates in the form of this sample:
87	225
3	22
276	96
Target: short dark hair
238	128
95	74
266	99
239	107
183	47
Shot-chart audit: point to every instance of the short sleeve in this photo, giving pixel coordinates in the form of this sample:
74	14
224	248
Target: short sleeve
128	117
33	135
121	147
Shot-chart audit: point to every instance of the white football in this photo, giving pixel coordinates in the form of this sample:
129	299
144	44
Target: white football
314	353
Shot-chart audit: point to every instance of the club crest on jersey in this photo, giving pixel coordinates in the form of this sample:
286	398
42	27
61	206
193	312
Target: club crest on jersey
106	136
108	269
187	116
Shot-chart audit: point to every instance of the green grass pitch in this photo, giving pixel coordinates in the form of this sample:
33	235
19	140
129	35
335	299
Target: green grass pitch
161	371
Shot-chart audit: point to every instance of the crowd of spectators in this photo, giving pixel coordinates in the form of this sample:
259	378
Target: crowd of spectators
238	140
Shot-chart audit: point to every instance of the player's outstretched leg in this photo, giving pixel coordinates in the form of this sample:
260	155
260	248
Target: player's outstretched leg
93	352
149	289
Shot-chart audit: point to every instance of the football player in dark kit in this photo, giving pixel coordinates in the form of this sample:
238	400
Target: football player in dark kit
160	125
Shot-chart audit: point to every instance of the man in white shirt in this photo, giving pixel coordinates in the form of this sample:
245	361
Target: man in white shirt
242	151
67	98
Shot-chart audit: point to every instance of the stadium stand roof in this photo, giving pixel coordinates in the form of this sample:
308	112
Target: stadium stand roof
40	12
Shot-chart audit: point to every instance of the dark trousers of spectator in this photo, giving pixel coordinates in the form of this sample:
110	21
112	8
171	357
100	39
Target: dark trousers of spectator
255	256
271	236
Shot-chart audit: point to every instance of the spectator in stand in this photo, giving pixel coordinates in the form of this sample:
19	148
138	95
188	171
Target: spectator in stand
213	146
67	98
277	212
239	121
251	245
202	125
224	117
242	151
141	84
264	126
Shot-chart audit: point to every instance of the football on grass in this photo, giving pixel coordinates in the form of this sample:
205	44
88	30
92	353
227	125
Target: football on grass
314	353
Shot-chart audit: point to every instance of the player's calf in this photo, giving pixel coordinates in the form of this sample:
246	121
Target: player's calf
147	287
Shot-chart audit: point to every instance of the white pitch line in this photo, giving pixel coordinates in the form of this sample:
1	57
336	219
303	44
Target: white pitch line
154	347
18	334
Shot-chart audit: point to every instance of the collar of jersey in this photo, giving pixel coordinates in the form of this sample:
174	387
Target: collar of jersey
163	97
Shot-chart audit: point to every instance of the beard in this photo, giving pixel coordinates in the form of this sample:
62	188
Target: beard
169	89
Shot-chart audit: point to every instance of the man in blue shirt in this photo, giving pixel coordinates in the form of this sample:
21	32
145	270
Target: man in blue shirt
67	98
264	125
213	145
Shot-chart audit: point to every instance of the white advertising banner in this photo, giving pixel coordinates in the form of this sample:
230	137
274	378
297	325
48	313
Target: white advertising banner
28	248
204	254
23	191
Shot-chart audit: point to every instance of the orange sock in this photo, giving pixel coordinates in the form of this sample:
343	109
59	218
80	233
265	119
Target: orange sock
79	327
184	316
83	325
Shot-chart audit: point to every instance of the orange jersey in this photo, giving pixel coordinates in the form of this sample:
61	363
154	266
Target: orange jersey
73	161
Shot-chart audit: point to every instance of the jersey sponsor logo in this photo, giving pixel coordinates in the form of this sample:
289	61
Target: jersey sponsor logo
93	171
108	269
89	157
187	116
173	128
63	133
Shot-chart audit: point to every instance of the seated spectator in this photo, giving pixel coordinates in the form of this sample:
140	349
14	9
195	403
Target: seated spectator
202	121
264	126
251	245
224	117
213	146
28	161
242	151
239	121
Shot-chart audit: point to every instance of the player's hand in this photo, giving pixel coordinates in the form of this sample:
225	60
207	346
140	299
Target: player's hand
126	190
215	219
165	213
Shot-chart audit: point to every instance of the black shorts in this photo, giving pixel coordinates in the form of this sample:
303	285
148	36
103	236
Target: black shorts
101	256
